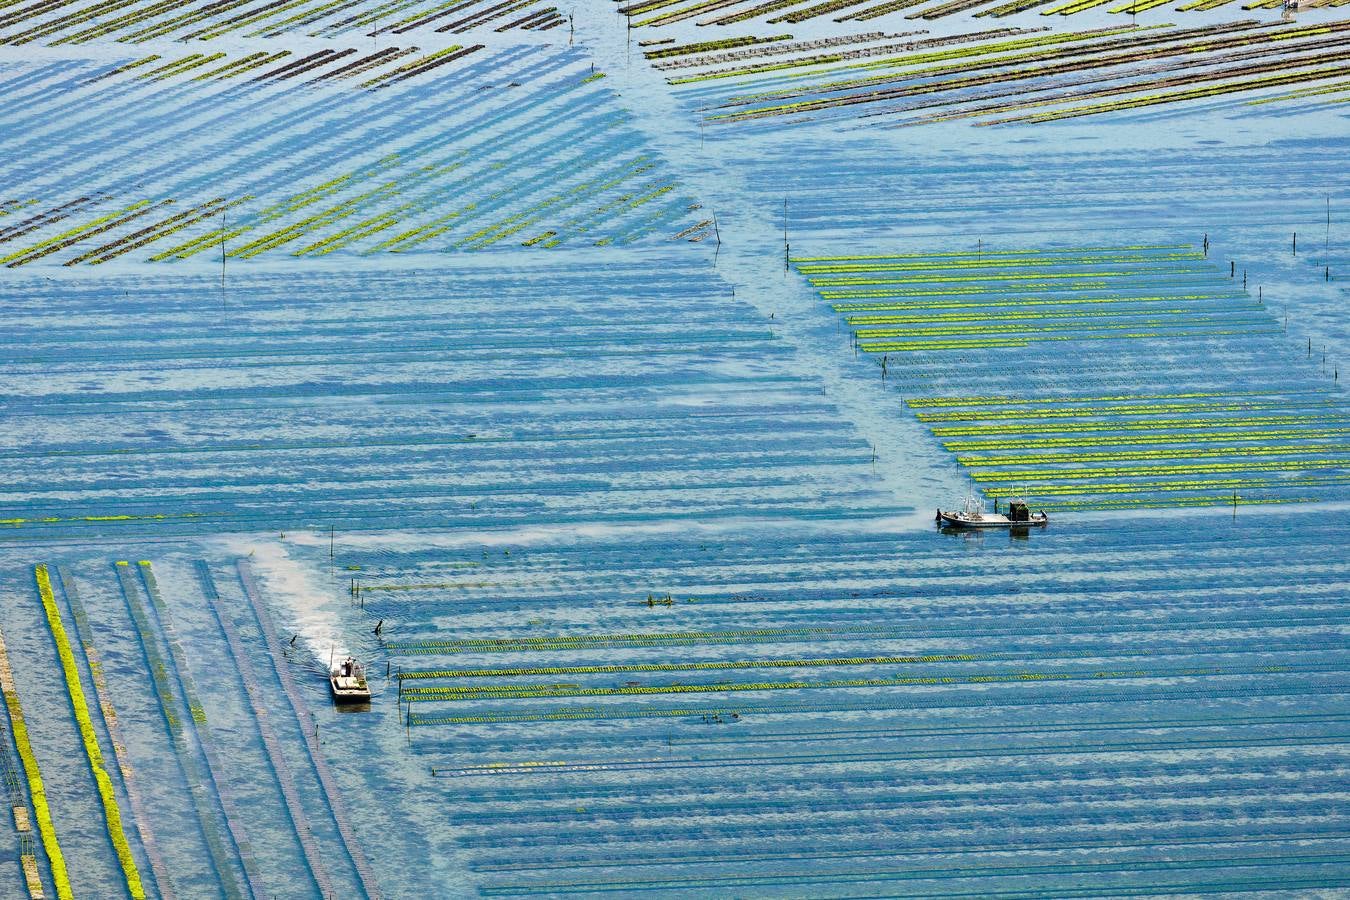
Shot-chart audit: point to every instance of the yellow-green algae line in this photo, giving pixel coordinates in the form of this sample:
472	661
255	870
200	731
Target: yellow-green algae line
46	829
111	812
983	253
1108	398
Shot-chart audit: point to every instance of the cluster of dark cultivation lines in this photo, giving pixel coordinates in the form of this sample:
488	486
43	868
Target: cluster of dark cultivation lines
1006	76
65	22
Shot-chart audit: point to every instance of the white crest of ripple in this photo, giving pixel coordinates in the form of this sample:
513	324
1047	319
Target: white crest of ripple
304	606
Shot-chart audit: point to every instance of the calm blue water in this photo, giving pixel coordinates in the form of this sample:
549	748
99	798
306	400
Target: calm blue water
1096	706
637	549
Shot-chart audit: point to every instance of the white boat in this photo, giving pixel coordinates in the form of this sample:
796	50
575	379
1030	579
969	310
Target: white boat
973	515
348	682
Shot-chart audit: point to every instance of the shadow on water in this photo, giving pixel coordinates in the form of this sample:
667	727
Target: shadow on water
1016	533
351	707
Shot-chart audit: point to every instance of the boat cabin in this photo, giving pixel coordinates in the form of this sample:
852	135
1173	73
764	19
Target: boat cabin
348	684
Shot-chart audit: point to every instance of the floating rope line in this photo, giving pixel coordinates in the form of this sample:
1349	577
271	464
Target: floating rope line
214	767
55	859
188	763
104	699
256	700
302	714
89	737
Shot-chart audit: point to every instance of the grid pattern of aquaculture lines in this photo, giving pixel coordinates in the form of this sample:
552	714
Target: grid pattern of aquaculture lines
1007	76
1232	421
69	22
372	71
18	770
482	396
705	13
659	13
432	162
211	839
1190	191
788	711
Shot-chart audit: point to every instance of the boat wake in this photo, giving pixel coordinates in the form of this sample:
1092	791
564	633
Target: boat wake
304	606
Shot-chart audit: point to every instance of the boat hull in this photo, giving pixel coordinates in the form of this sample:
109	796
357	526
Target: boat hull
348	693
989	520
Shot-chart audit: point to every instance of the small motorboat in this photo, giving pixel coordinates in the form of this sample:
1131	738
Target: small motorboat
348	682
972	515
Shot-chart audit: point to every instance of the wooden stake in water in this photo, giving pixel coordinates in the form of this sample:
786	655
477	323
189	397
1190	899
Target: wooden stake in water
332	531
1234	506
222	258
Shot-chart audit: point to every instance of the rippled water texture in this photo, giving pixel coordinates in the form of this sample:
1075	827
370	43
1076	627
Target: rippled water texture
592	373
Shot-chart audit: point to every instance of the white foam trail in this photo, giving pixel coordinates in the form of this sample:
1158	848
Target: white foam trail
308	603
572	532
